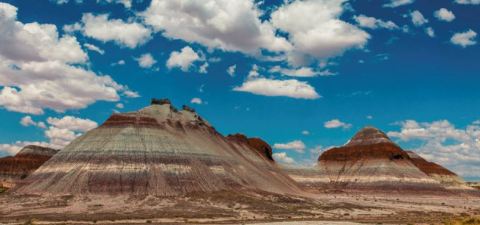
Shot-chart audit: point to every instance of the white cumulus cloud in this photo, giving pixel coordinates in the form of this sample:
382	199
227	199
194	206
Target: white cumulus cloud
283	158
125	3
64	130
316	30
28	121
397	3
224	24
417	18
34	41
336	123
72	123
40	69
430	32
374	23
231	70
60	132
270	87
444	14
102	28
94	48
119	62
146	60
131	94
468	2
182	59
299	72
197	101
296	145
464	39
203	68
54	85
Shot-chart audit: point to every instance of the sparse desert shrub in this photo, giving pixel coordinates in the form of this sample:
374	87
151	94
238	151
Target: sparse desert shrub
470	220
29	222
3	190
149	221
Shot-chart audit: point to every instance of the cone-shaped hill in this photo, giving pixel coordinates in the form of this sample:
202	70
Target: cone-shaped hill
369	161
13	169
160	151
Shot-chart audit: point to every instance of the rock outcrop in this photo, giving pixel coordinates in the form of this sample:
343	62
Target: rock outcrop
257	144
13	169
156	151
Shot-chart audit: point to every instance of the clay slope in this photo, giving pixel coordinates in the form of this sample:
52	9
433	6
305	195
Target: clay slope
156	151
369	161
13	169
447	178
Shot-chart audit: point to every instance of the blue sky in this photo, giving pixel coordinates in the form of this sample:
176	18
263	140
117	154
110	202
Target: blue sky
304	75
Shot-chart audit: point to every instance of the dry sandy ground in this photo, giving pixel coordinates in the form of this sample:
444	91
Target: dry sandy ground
308	223
238	208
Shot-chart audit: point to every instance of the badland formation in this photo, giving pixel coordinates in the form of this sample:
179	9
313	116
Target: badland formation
163	165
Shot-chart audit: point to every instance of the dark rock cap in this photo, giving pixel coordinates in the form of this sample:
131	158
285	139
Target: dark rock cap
188	108
257	144
160	101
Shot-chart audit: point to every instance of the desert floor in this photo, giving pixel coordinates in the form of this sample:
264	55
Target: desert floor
239	208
